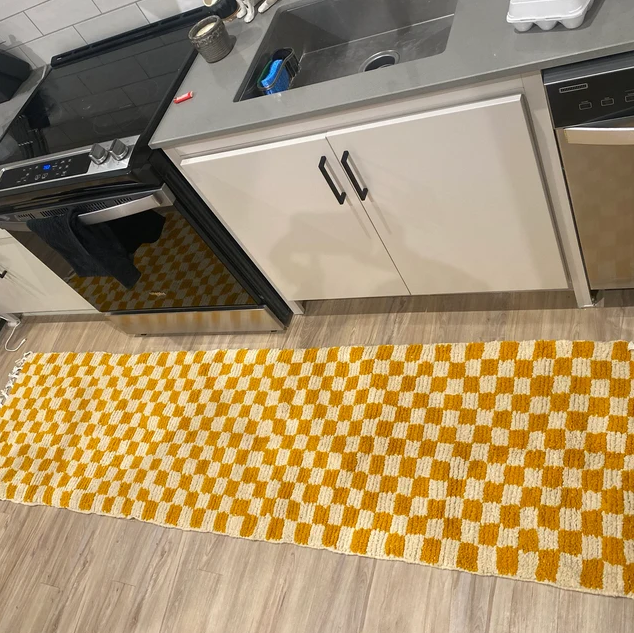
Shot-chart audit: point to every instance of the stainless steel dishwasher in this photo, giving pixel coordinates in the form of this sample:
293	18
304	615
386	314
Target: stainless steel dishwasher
592	107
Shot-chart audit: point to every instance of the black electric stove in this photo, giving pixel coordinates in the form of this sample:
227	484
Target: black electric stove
80	145
117	89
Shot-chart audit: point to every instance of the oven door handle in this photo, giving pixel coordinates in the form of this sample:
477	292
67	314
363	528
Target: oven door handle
162	197
157	199
599	135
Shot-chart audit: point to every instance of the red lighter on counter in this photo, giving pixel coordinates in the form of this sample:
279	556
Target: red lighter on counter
186	97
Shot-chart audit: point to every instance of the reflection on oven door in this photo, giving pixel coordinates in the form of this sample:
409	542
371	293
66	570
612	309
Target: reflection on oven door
177	271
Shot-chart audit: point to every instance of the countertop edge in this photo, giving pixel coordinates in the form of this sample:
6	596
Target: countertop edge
417	91
470	58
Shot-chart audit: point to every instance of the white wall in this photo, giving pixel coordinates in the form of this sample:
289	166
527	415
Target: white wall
35	30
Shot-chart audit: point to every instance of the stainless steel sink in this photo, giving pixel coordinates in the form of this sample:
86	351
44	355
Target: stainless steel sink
337	38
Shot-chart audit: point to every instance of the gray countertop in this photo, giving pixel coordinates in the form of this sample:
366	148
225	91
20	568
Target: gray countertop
481	46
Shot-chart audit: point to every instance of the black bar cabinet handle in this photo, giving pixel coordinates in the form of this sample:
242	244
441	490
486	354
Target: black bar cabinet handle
3	274
363	193
341	197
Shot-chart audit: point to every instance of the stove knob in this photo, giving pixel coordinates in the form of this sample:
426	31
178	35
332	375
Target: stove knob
118	150
98	154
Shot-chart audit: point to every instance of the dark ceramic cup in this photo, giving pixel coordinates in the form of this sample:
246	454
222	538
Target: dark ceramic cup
210	39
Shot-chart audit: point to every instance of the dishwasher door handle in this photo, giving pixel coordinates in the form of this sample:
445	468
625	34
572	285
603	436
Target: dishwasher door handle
599	135
162	197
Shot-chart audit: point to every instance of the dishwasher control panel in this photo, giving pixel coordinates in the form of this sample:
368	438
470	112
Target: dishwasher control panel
597	90
46	170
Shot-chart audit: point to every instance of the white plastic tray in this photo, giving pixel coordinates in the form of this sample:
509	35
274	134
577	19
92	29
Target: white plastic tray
547	13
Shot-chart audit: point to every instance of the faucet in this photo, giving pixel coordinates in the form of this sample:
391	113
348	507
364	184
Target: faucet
246	8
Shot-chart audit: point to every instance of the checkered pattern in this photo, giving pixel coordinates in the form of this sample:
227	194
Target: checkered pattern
178	271
512	459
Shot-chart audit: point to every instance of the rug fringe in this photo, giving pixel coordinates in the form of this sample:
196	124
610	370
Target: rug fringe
13	376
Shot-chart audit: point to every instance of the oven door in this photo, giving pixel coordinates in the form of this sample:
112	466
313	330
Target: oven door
179	272
598	161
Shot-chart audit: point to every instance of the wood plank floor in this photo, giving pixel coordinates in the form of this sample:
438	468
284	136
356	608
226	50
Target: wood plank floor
72	573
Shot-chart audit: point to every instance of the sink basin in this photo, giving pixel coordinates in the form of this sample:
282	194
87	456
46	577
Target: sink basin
337	38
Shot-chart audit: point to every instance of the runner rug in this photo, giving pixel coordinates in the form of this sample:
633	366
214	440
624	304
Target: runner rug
513	459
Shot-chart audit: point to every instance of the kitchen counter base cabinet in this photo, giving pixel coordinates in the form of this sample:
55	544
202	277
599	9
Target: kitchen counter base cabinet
284	203
27	285
457	198
447	201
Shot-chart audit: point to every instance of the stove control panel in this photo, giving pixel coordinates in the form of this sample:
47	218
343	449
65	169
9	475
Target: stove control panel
49	170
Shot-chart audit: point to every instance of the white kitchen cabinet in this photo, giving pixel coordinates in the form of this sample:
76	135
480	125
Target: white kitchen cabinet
27	285
457	197
280	207
455	204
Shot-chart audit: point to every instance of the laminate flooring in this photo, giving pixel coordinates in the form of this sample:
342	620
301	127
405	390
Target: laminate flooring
71	573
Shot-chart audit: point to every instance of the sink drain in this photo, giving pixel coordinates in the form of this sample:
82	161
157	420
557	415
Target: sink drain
380	60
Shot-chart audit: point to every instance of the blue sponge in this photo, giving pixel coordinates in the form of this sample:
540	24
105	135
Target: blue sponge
276	79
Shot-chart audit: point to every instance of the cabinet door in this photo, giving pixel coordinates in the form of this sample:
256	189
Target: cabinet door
27	285
280	207
457	197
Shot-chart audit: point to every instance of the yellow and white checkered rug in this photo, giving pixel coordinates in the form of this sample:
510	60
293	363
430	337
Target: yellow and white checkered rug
511	459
